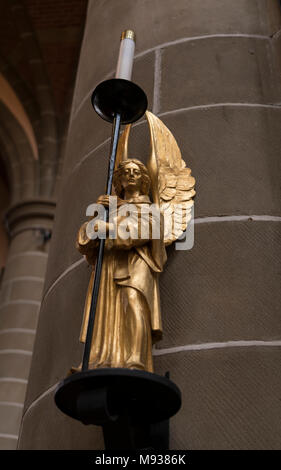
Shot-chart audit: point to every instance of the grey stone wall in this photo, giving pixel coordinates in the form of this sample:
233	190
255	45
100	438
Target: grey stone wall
211	70
20	300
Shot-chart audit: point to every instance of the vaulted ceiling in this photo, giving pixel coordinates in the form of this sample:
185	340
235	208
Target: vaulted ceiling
57	26
40	42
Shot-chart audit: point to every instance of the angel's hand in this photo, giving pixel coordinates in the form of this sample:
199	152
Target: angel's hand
103	200
101	228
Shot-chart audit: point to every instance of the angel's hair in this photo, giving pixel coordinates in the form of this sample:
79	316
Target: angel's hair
144	174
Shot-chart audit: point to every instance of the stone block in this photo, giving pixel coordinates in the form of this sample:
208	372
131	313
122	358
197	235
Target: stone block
7	443
230	398
14	364
26	289
12	391
219	70
166	22
233	152
276	42
43	425
25	264
226	288
10	419
87	131
20	315
16	340
57	343
5	293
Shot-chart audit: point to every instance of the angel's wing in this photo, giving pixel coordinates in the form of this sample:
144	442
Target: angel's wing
172	183
122	149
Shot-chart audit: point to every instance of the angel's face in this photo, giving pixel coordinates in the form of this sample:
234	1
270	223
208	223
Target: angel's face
131	178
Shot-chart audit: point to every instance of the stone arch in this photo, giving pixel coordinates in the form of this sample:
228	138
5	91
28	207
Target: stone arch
11	101
48	141
23	93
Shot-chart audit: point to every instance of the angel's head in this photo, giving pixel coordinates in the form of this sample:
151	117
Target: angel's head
131	176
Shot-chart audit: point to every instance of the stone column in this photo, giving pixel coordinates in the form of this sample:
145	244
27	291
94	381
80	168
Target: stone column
211	72
30	225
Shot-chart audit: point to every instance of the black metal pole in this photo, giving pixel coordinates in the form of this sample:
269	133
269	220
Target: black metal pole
95	293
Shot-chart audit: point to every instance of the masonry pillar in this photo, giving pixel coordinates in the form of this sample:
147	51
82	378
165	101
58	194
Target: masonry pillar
211	71
30	225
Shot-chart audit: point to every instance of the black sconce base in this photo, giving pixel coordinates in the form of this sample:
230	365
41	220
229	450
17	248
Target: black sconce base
132	406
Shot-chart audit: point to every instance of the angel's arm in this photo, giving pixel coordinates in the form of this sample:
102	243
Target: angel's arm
130	231
85	245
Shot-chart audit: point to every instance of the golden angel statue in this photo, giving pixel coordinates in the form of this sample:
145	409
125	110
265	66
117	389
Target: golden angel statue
128	317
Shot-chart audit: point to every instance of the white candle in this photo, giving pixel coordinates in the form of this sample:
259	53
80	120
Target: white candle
126	55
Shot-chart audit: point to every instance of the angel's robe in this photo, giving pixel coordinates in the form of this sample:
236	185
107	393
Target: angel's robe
132	263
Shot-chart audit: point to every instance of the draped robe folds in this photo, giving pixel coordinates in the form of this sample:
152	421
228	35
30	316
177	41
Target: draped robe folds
133	263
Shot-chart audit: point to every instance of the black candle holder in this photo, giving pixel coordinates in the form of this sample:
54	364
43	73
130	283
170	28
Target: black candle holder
119	96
